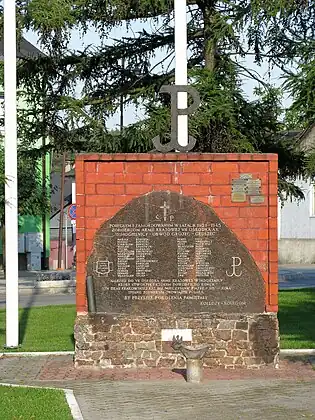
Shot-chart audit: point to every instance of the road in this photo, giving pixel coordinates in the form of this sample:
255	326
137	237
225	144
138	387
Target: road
290	277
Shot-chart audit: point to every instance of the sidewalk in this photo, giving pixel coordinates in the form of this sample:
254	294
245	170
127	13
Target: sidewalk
119	394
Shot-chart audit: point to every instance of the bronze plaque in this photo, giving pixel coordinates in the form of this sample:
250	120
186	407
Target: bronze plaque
168	253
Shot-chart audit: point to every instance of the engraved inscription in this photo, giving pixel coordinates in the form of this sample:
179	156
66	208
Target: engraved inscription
184	260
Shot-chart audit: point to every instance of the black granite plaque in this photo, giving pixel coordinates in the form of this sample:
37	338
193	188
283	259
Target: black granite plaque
168	253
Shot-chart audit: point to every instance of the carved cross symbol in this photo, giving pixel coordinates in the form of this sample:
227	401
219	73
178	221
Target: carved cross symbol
165	207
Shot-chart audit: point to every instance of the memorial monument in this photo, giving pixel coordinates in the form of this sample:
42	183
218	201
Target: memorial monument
176	244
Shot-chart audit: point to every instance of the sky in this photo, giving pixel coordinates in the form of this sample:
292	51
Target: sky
132	114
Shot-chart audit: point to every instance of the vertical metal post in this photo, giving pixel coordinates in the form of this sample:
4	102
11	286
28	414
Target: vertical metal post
11	191
62	190
181	66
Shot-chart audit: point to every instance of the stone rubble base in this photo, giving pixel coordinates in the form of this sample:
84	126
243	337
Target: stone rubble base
235	340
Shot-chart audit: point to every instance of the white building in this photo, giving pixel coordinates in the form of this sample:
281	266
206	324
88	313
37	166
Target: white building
296	220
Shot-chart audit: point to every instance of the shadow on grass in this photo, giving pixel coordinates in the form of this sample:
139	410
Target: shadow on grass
297	317
24	319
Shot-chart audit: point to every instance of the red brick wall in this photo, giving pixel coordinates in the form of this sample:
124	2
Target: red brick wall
105	183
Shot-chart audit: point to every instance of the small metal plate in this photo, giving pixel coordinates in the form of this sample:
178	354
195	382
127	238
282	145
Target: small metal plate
167	335
257	199
238	197
246	176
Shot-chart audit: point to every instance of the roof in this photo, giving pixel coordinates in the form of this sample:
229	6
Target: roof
24	49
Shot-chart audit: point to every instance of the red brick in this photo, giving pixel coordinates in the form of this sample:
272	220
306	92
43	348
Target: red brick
160	167
129	178
195	190
99	178
215	201
188	179
81	302
261	256
221	178
273	278
221	189
271	308
273	256
80	288
100	200
273	233
81	257
256	245
79	165
89	211
195	167
80	245
262	234
273	267
249	233
80	200
273	178
229	212
138	167
273	166
90	189
206	179
90	233
273	244
157	178
110	189
90	167
224	167
135	189
250	167
273	289
122	200
273	222
273	212
79	177
254	212
109	167
104	211
273	200
174	188
88	246
80	233
93	223
80	211
202	199
111	211
273	299
238	223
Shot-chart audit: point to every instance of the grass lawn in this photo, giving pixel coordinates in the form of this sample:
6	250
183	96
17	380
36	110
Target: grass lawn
47	328
33	404
50	328
297	318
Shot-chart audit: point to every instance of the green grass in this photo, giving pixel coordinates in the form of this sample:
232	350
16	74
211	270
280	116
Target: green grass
50	328
20	403
47	328
297	318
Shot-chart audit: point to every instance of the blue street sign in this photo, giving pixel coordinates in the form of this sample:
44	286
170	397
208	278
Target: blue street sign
72	212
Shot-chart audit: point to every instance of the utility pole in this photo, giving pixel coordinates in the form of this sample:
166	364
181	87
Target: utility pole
62	193
11	187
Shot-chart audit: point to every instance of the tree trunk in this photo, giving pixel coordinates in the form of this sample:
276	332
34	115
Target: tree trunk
3	245
210	44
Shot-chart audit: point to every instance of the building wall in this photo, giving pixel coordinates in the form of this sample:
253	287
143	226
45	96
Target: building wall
297	228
